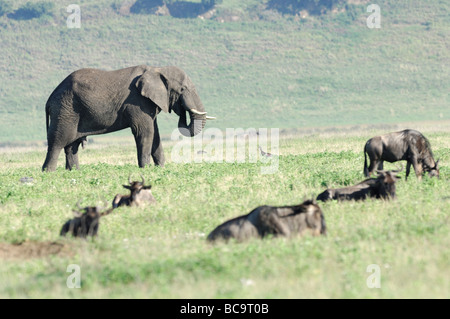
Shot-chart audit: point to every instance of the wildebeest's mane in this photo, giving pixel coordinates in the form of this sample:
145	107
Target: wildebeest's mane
421	142
297	209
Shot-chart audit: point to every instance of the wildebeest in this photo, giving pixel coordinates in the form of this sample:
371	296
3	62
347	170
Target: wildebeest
407	145
139	194
85	223
278	221
381	187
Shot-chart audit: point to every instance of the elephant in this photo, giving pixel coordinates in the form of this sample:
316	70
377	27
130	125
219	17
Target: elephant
92	101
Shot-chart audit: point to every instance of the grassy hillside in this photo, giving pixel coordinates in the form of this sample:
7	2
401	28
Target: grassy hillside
262	70
160	251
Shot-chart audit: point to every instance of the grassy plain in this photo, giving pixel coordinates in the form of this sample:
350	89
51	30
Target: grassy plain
329	83
263	70
160	251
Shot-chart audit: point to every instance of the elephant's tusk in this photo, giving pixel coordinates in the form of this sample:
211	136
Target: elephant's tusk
197	112
211	118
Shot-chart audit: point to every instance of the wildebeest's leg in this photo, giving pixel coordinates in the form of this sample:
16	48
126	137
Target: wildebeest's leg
373	165
417	168
380	166
71	151
408	168
157	149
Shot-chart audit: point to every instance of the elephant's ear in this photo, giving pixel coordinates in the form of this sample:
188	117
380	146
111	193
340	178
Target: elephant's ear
151	85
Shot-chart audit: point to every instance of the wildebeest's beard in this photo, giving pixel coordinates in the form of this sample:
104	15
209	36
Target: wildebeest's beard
433	171
388	191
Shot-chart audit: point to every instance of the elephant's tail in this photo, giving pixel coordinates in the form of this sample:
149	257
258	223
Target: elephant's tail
47	117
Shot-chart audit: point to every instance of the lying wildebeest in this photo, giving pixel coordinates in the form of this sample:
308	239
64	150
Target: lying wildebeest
381	187
408	145
278	221
85	223
139	194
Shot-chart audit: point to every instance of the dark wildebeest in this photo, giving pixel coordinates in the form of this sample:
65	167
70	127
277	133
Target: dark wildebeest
407	145
85	223
278	221
381	187
139	194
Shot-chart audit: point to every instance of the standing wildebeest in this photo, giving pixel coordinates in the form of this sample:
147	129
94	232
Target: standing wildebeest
277	221
84	224
381	187
139	194
408	145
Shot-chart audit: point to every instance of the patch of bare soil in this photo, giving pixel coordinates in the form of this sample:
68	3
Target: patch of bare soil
30	250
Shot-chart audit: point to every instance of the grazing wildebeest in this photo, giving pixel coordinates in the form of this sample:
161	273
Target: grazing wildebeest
381	187
278	221
407	145
139	194
85	223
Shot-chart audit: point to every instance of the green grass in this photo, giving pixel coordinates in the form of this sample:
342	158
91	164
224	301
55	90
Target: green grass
160	251
328	82
255	72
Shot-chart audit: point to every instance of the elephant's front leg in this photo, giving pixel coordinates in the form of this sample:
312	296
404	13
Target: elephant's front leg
157	149
143	136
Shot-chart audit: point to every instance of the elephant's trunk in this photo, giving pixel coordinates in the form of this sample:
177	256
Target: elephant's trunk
196	125
197	114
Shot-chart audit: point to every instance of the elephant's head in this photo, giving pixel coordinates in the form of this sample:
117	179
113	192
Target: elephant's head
171	89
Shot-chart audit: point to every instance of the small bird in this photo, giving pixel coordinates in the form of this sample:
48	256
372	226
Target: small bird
26	180
264	153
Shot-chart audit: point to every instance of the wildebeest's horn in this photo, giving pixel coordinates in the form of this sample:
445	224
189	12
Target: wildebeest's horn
143	180
77	213
78	204
399	169
210	117
106	212
129	179
105	204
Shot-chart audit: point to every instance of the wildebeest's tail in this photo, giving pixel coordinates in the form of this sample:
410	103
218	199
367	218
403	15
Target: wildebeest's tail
366	169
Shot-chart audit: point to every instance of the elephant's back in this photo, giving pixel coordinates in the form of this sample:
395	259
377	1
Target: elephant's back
95	79
94	86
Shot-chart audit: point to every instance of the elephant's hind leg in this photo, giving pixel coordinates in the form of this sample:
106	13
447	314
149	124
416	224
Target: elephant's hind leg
51	159
60	135
71	151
